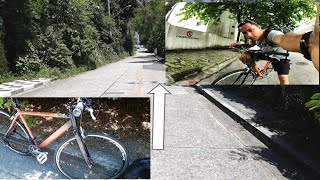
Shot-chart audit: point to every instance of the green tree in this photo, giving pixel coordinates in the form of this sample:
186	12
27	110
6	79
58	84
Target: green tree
3	61
62	34
17	25
266	13
123	11
150	24
170	4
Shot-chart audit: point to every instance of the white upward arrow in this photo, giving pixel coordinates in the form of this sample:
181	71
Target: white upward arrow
158	116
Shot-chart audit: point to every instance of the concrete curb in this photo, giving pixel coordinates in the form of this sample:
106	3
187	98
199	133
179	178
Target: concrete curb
18	86
269	138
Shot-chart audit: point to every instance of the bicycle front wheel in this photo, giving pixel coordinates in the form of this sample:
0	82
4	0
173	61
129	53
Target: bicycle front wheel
109	157
237	77
18	140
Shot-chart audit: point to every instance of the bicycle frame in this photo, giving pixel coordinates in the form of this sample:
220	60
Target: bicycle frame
260	72
20	115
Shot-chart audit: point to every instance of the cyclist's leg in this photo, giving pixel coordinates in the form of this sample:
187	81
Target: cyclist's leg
245	57
282	67
284	79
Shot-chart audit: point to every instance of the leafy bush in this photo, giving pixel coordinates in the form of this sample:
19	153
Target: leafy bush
6	77
29	63
62	35
50	47
314	105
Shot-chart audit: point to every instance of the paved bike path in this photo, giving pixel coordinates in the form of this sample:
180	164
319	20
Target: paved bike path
259	121
202	142
131	77
14	166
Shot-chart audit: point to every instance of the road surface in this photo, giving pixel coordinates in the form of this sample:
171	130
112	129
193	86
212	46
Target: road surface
132	77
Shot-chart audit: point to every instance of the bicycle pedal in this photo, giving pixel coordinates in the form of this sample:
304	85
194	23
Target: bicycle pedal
42	157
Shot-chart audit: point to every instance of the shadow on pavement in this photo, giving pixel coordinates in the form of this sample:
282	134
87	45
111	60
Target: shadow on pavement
147	61
144	57
278	110
264	154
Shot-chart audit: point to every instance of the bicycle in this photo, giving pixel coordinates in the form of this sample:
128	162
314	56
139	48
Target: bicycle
82	155
251	72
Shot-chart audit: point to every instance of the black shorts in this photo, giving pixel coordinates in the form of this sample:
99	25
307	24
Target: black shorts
282	66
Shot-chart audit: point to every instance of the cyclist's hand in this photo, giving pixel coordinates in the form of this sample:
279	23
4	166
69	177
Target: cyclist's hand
234	44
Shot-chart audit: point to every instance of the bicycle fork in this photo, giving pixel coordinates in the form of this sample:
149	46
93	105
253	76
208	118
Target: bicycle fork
83	148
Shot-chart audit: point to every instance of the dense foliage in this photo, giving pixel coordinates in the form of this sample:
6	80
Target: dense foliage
266	13
300	101
3	61
60	35
314	105
150	24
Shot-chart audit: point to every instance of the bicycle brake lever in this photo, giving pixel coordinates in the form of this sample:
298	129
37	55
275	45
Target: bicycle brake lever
91	113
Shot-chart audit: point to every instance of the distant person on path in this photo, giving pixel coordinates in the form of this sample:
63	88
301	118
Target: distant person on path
273	40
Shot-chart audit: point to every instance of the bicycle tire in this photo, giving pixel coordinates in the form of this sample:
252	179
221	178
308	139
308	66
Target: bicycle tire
237	77
19	139
109	155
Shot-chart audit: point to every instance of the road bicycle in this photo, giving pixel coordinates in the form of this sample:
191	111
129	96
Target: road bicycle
82	155
252	71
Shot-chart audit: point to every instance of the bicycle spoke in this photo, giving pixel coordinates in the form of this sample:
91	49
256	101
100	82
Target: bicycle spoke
108	158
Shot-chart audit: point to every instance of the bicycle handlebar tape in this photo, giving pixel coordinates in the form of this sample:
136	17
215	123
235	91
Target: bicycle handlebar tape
78	109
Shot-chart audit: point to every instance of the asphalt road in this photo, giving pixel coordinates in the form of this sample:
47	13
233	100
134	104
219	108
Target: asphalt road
131	77
302	72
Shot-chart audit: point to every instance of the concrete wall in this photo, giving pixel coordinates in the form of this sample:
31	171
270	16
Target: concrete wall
223	34
225	28
183	38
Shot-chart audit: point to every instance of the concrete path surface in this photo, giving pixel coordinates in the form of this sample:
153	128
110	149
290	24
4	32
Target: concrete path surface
131	77
263	123
18	86
202	142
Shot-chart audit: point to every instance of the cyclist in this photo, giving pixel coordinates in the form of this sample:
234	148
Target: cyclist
307	44
254	32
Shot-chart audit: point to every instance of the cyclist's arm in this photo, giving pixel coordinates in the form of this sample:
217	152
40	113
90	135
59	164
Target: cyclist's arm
246	45
291	42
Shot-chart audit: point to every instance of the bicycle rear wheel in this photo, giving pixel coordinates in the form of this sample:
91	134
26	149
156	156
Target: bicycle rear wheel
18	140
237	77
110	157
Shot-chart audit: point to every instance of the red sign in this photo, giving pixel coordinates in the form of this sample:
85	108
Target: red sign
189	33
